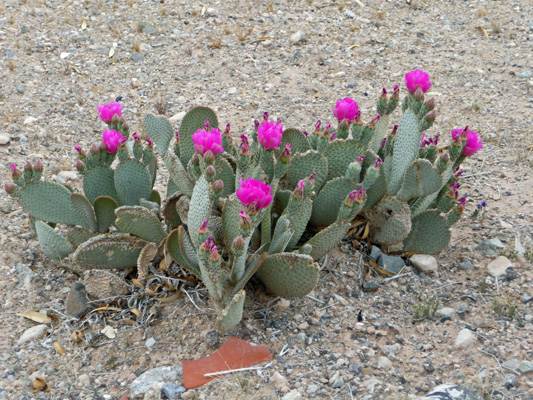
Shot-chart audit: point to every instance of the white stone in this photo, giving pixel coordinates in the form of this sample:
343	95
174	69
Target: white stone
444	312
32	333
84	380
424	263
465	339
279	382
282	305
30	120
68	175
384	363
4	139
498	266
292	395
232	90
177	117
298	37
150	378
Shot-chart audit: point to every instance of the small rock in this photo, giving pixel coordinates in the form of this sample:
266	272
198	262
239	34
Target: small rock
148	29
212	338
526	74
4	139
21	88
391	263
465	339
511	364
450	392
68	175
424	263
282	305
30	120
145	381
25	275
279	382
312	389
32	333
510	381
462	309
444	312
349	14
145	47
391	351
232	90
171	391
428	367
490	246
77	303
150	342
177	117
84	380
356	368
465	265
525	367
384	363
136	57
292	395
298	37
338	383
211	12
498	266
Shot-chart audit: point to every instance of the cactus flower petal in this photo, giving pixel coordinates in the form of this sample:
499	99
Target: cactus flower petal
254	193
474	143
112	139
269	134
346	108
417	79
108	111
208	140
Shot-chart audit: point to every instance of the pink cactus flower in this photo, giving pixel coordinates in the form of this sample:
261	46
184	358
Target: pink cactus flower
112	139
269	134
417	78
107	111
204	141
474	143
346	108
13	168
254	194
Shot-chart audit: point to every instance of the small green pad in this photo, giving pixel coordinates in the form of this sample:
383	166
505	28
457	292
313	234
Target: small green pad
199	208
231	220
178	175
175	249
50	202
85	209
297	139
225	173
158	129
109	251
327	239
104	209
169	210
377	190
77	235
379	133
231	315
429	233
193	121
141	222
52	243
327	203
298	222
99	181
303	165
289	274
390	221
133	182
421	179
340	153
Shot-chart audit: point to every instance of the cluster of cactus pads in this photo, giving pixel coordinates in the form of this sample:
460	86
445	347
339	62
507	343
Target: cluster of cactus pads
270	204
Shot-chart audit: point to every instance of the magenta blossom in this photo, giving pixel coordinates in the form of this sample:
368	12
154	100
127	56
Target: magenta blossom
107	111
112	139
269	134
474	143
417	78
254	194
204	141
346	109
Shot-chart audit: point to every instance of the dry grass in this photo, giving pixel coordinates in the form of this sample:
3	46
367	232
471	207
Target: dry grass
10	65
215	42
136	46
496	26
242	32
482	12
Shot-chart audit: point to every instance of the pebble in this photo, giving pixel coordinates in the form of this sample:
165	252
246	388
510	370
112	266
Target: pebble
465	265
177	117
136	57
150	342
30	120
424	263
212	338
298	37
391	351
449	391
525	367
498	266
465	339
4	139
445	312
77	303
292	395
511	364
356	368
312	389
84	380
384	363
282	305
526	74
148	29
490	246
338	383
25	275
349	14
145	381
171	391
279	382
510	381
32	333
391	263
21	88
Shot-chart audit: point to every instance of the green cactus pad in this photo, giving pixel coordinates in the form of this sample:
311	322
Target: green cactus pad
224	172
429	233
151	205
421	179
133	182
158	129
297	139
199	207
141	222
254	263
193	121
99	181
172	188
390	221
303	165
155	197
282	235
340	153
281	200
77	235
289	274
406	146
152	169
377	190
379	133
178	175
108	251
169	210
299	221
421	205
327	239
231	220
327	203
50	202
175	245
83	206
52	243
231	315
104	209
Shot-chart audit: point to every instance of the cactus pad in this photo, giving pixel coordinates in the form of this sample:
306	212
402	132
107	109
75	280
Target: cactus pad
327	203
421	179
327	239
178	175
193	121
141	222
104	209
199	207
158	128
231	315
224	172
297	139
83	206
379	133
231	219
52	243
340	153
289	274
99	181
109	251
429	233
169	211
303	165
175	247
77	235
133	182
390	221
298	222
377	190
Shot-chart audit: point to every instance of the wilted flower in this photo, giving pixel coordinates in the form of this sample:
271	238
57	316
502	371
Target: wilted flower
417	79
108	111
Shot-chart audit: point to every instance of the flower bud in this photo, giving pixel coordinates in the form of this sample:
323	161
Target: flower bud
377	164
136	138
256	125
80	166
207	245
210	171
396	93
311	179
28	167
218	186
195	159
238	243
203	227
115	119
317	126
226	131
265	116
207	126
383	94
357	195
383	143
305	133
209	157
125	127
177	138
9	187
95	149
418	94
374	121
286	154
246	221
299	191
79	150
430	104
15	173
38	166
149	143
214	257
